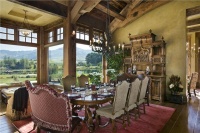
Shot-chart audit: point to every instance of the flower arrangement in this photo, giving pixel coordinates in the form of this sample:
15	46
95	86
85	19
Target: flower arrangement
95	78
175	85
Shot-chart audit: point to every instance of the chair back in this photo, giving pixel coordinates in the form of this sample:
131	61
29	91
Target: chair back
143	88
50	109
133	94
122	77
82	79
193	81
67	82
120	96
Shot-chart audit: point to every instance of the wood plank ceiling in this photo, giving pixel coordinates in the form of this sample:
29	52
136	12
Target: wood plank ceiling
93	12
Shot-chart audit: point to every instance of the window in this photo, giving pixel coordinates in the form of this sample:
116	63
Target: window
97	36
50	37
18	63
6	33
82	33
55	66
60	34
31	38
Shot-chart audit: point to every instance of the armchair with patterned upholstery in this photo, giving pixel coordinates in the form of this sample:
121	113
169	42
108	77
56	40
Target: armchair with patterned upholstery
51	111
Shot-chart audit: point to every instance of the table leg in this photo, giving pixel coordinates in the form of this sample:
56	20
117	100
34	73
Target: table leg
89	119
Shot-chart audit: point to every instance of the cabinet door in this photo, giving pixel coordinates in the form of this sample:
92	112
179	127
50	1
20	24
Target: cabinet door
156	89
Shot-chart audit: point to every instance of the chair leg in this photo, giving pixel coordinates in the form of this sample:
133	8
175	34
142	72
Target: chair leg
38	129
195	93
128	118
114	130
138	108
144	108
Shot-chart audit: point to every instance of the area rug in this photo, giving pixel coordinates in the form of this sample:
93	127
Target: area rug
152	122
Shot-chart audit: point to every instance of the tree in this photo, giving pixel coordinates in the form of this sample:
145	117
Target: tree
93	58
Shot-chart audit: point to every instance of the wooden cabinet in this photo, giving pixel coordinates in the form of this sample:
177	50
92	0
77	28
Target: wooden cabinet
147	55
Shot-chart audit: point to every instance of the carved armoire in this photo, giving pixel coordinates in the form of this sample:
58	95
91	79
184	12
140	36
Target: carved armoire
145	54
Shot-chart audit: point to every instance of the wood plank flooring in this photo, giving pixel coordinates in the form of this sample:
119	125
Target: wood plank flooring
186	118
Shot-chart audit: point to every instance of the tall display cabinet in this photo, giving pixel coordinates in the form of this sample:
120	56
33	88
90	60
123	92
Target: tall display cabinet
145	54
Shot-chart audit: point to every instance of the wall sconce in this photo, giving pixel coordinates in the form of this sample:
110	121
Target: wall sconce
73	33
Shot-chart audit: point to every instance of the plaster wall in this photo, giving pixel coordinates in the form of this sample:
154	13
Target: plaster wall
168	21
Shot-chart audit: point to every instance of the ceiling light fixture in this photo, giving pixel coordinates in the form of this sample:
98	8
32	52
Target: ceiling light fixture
103	43
25	28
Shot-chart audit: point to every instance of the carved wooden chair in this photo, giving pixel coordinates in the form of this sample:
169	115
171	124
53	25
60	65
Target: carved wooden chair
82	79
51	111
67	82
193	82
142	94
117	108
132	98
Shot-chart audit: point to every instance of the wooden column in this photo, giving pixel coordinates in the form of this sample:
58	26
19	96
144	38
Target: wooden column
42	59
104	67
69	48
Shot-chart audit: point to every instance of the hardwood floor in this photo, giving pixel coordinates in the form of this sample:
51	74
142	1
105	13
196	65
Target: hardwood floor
186	118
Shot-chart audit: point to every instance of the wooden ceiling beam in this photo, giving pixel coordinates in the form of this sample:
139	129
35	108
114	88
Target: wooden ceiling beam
75	10
193	11
125	11
86	7
138	11
193	22
47	6
194	29
112	13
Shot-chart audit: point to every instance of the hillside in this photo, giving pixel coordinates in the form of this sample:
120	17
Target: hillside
55	54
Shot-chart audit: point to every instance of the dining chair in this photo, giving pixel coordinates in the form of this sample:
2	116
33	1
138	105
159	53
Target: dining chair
132	98
117	108
67	82
193	82
142	94
51	111
82	80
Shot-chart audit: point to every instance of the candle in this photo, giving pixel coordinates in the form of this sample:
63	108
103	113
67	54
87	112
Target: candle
123	47
119	46
90	42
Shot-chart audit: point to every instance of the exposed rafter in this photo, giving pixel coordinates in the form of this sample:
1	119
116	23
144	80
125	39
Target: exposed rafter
86	7
139	11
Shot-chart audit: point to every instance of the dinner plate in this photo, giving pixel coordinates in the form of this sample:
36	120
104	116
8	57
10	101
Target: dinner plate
106	94
73	95
80	89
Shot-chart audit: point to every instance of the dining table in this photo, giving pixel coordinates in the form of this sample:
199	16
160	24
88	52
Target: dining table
90	100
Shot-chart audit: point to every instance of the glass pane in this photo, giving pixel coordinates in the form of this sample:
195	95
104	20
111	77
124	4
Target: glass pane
11	31
50	34
61	30
34	35
34	40
2	29
58	37
2	36
87	37
51	39
77	35
10	37
82	36
28	39
58	31
61	37
21	34
21	39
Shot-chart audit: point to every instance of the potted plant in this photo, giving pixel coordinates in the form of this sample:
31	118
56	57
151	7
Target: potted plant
175	85
95	78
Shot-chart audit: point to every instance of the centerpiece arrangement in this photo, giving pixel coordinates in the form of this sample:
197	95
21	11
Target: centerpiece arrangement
175	85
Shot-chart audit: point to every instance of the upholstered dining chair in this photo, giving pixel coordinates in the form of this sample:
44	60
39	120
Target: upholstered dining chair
51	111
193	82
117	108
142	94
67	82
82	79
132	98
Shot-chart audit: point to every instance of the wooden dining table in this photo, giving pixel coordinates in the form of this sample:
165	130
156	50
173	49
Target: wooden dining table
91	101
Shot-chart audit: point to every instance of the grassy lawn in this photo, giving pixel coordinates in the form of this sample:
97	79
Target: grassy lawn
7	79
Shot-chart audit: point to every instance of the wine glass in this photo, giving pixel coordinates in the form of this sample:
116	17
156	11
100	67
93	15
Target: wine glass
73	88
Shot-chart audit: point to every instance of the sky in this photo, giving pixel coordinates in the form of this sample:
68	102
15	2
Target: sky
23	48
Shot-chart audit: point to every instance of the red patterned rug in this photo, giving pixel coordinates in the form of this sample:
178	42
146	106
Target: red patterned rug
152	122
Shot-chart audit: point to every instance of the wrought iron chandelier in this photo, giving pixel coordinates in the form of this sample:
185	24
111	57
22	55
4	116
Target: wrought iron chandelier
104	44
25	29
